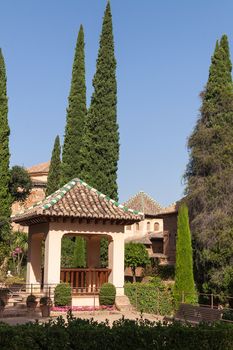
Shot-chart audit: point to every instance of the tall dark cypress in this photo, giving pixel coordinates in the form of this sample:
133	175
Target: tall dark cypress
5	198
184	280
100	151
76	113
54	175
209	177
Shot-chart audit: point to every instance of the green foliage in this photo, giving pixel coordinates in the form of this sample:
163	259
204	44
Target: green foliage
104	252
5	197
20	184
62	294
124	334
31	299
80	252
67	252
209	175
76	114
54	175
153	297
100	151
19	248
135	255
45	301
107	294
184	280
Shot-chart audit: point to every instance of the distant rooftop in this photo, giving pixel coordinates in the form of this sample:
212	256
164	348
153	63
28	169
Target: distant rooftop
39	168
144	203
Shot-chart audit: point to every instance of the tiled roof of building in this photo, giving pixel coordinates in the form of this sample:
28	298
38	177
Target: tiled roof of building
144	203
39	168
78	200
173	208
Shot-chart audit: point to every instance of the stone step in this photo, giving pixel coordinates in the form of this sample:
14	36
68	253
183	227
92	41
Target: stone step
14	312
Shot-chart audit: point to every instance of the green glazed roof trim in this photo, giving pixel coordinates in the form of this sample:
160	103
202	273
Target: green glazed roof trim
61	192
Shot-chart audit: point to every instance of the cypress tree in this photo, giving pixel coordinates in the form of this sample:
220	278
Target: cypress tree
184	280
76	112
79	252
5	198
100	151
209	176
54	175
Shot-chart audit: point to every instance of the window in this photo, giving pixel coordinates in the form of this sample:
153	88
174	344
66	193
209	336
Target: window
148	226
156	226
137	226
128	227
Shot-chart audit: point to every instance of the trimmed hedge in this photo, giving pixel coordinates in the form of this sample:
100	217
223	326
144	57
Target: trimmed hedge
153	298
62	294
80	334
107	294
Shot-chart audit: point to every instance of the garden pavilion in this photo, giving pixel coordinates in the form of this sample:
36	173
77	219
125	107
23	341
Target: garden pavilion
76	210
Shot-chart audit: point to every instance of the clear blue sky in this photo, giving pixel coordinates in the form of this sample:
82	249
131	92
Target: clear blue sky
163	51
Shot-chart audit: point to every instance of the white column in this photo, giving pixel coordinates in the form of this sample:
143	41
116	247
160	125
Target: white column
52	260
34	261
93	252
116	253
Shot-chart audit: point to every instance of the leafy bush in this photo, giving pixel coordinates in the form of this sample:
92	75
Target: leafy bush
107	294
228	315
136	255
2	302
78	334
153	297
62	294
45	301
31	299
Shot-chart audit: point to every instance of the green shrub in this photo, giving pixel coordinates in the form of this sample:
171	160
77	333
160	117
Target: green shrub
107	294
45	301
78	334
153	297
62	294
2	302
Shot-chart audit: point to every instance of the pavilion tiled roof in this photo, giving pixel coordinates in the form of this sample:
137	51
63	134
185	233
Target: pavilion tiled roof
144	203
78	200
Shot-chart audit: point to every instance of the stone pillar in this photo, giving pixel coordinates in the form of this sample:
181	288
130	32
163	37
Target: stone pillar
52	259
34	275
93	252
116	250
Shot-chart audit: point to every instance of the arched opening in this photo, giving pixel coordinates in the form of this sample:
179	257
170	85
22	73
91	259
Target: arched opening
137	226
148	225
156	226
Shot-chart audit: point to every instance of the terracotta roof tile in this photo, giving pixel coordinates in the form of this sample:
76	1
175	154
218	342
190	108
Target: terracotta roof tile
39	168
144	203
78	200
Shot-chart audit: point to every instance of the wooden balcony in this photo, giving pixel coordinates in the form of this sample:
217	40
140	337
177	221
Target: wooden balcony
85	281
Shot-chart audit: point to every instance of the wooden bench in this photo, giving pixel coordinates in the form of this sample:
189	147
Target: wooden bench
196	314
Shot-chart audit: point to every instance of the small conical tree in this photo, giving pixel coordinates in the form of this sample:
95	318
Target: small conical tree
54	175
76	113
80	252
5	197
100	151
184	280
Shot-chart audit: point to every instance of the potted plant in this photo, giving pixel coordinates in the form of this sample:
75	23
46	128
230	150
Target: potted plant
45	305
2	306
31	302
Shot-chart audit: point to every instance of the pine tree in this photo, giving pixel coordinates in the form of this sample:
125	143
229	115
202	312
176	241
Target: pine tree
80	252
184	280
76	113
209	176
54	175
5	198
100	151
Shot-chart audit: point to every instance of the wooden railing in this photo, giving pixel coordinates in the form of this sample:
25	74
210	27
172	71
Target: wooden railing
84	281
